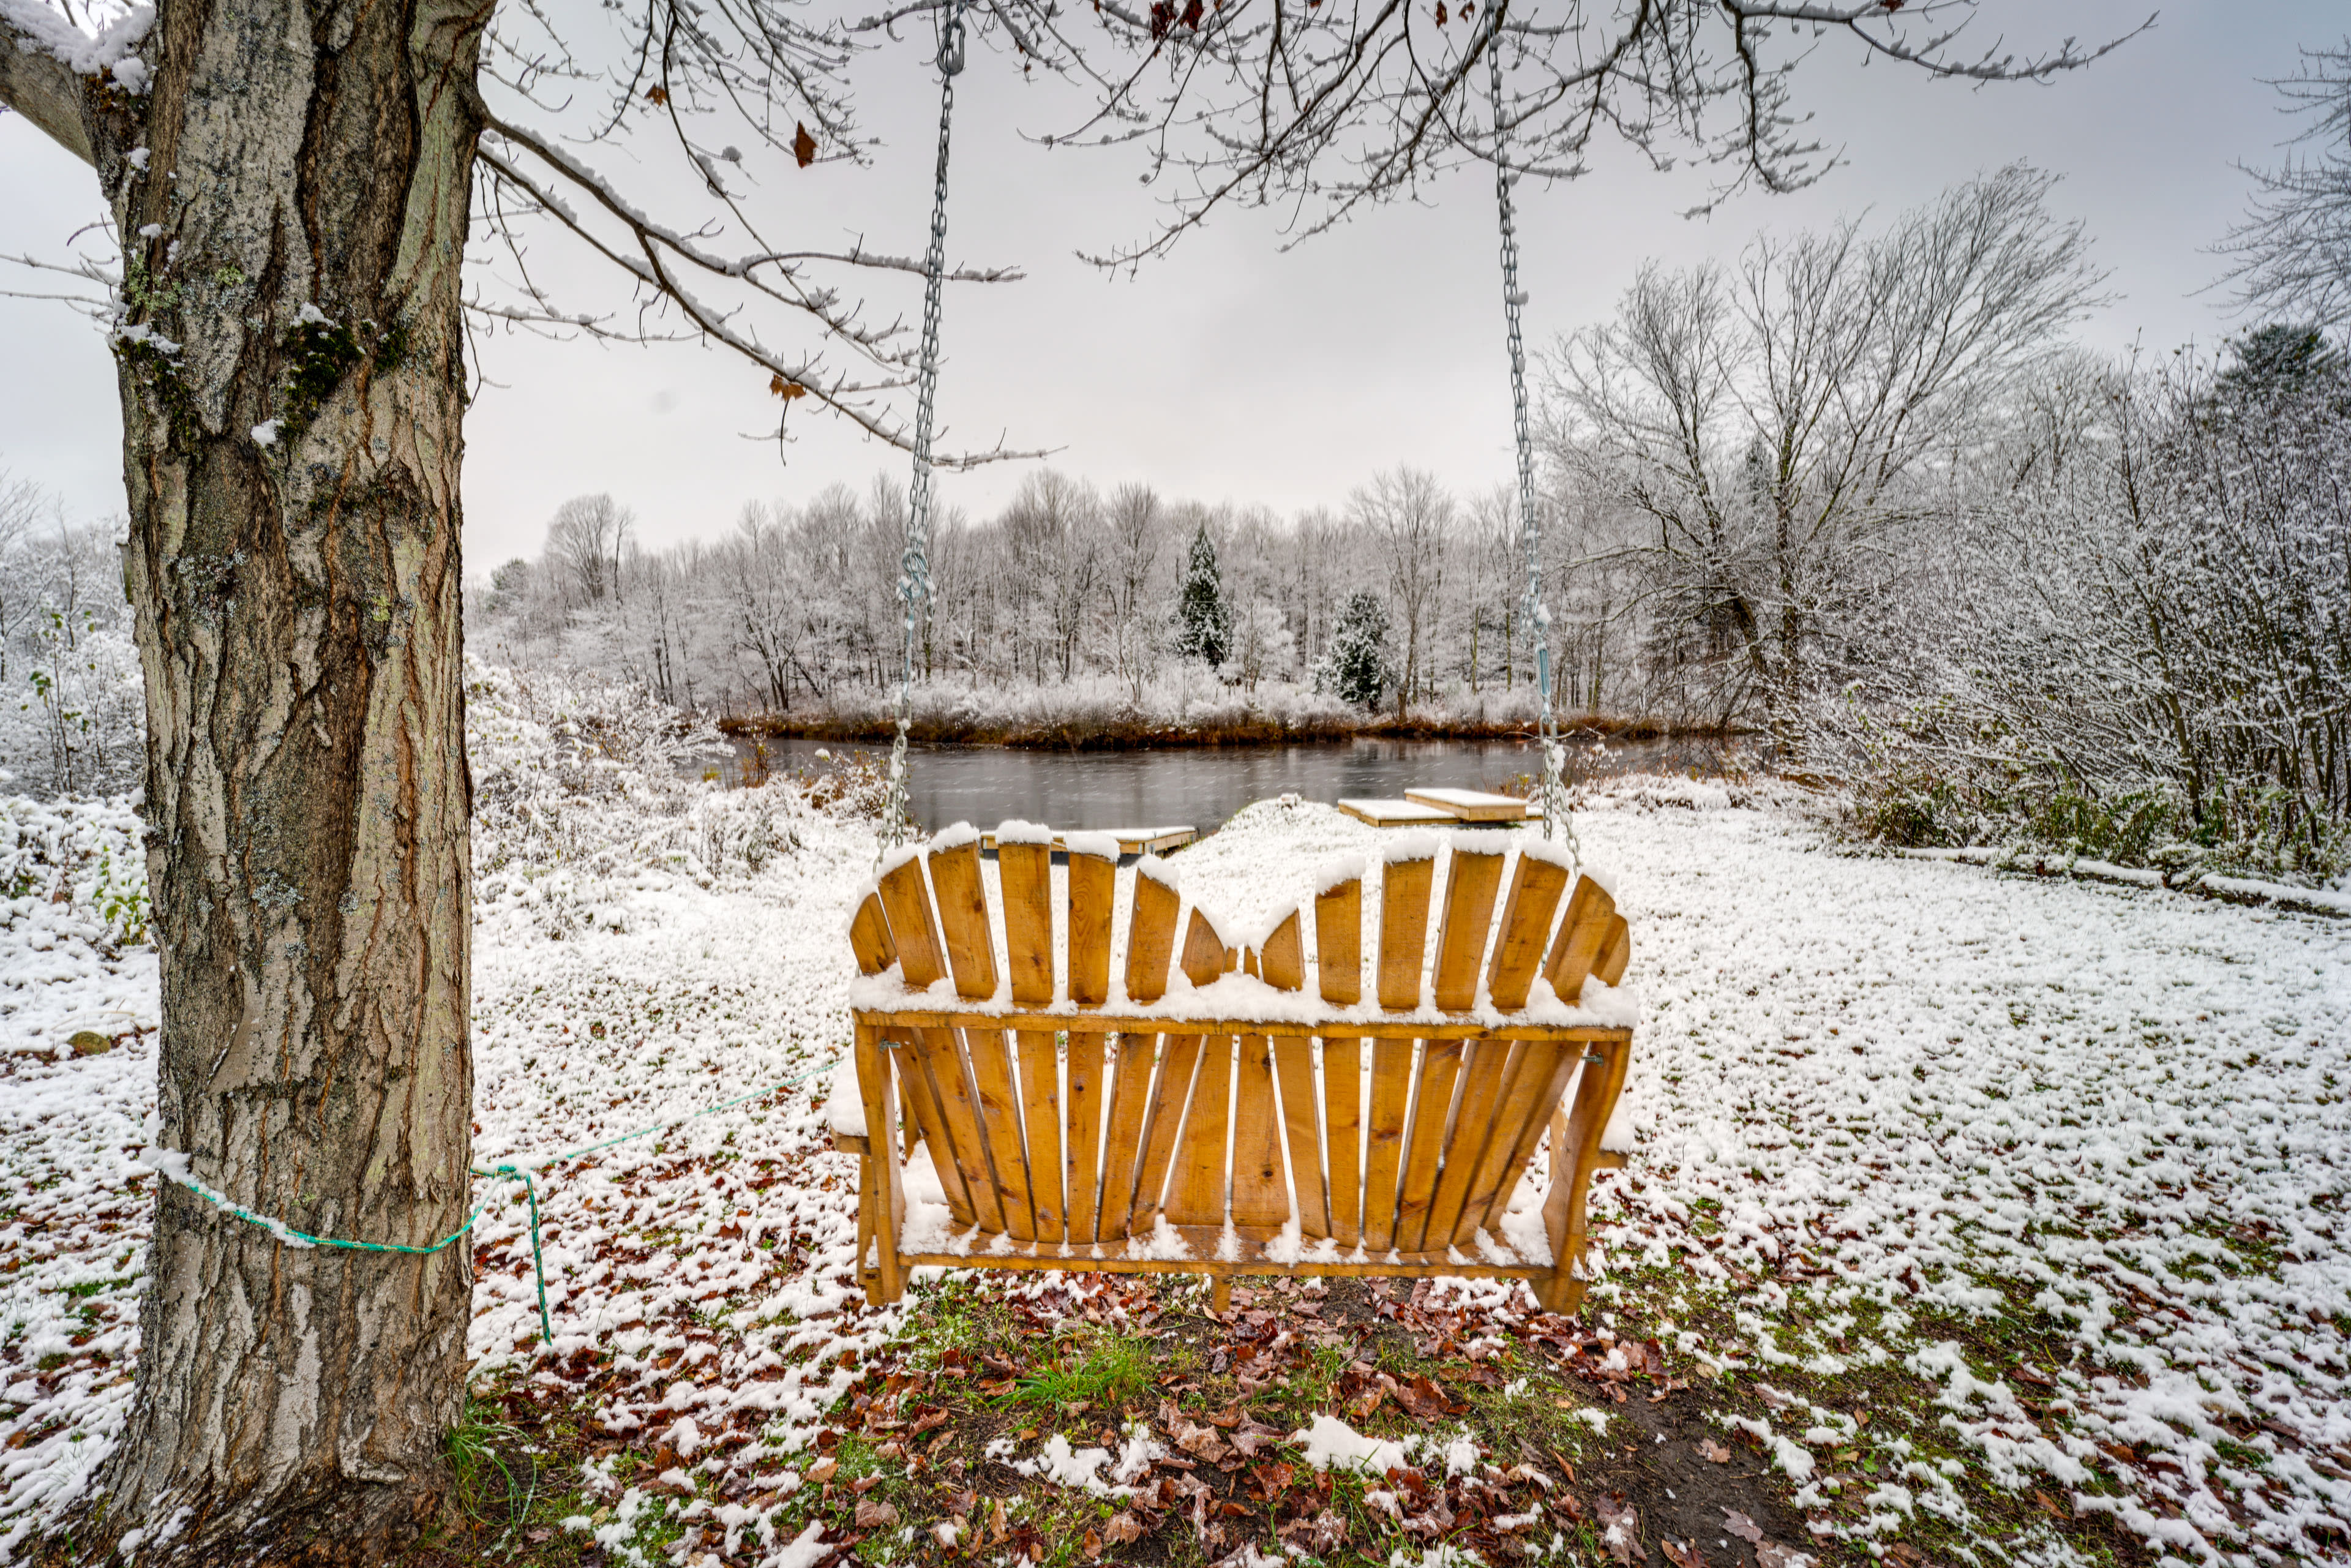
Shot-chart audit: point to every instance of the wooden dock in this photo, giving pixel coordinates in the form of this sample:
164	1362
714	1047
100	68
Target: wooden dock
1131	841
1397	813
1472	805
1443	808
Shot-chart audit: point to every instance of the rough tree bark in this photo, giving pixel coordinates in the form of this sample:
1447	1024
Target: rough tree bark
291	395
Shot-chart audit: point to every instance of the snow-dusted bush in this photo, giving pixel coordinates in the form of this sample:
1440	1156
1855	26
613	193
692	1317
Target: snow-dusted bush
2139	650
79	855
583	790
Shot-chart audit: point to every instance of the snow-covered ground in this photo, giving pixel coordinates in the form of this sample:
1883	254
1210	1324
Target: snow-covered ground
1892	1115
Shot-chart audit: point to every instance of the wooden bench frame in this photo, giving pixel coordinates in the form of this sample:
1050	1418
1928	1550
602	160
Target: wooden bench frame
1465	1083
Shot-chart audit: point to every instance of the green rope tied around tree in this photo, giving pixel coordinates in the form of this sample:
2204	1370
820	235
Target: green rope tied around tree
287	1233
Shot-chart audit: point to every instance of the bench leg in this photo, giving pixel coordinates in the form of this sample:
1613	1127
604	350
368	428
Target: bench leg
868	1274
881	1207
1220	1293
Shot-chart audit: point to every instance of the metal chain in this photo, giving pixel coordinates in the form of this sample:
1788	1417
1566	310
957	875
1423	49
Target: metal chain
1556	822
914	566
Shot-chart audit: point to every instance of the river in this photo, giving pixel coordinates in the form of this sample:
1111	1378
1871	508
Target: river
1200	787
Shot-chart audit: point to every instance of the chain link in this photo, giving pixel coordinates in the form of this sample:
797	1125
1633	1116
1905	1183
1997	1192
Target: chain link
1556	822
914	565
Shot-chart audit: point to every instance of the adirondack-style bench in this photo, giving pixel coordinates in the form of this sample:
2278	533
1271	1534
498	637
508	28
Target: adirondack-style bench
1207	1114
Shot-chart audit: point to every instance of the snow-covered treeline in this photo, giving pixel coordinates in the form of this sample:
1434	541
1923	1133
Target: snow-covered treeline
1141	601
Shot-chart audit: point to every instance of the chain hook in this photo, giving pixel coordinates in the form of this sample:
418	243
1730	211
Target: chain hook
951	42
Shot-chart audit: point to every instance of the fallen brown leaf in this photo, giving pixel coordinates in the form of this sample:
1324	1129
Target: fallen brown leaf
1620	1529
1123	1529
1683	1554
1739	1525
1708	1448
872	1515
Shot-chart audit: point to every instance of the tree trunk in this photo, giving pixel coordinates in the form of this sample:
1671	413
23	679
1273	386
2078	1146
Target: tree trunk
291	446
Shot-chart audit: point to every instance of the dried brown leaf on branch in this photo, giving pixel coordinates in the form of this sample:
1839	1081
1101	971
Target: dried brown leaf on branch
803	145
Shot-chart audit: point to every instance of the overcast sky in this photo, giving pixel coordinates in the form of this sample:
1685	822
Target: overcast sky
1233	371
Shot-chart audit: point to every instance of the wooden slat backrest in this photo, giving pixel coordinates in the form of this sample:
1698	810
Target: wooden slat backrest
869	935
1339	942
1041	1110
1338	968
1129	1126
1548	1075
1579	937
1432	1109
1282	965
1403	927
907	903
1100	1138
1469	885
1024	875
1196	1171
1083	1169
1259	1196
1150	937
1001	1122
1615	952
1484	1064
1282	961
1206	956
962	918
1535	889
1093	884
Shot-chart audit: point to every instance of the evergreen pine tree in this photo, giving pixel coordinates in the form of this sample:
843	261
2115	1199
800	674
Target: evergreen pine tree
1356	667
1204	622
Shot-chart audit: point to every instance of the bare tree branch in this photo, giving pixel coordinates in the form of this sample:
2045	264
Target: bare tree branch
2294	251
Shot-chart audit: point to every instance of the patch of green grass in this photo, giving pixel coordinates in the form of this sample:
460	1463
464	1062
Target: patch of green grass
493	1491
1097	1367
856	1458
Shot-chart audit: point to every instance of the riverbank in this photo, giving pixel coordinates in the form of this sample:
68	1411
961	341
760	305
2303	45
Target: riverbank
1142	733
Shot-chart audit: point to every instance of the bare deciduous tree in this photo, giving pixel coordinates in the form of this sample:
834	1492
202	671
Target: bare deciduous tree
1413	518
1134	527
587	538
1775	421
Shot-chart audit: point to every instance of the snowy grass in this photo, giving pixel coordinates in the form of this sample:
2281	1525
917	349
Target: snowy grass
1997	1215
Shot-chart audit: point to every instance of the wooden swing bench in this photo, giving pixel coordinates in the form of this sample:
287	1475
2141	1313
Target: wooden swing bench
1229	1128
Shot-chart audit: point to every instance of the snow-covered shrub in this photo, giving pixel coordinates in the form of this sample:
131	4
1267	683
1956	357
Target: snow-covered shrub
74	952
585	791
2138	646
82	854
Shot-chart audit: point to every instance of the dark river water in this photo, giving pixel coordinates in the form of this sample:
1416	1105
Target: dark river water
1200	787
